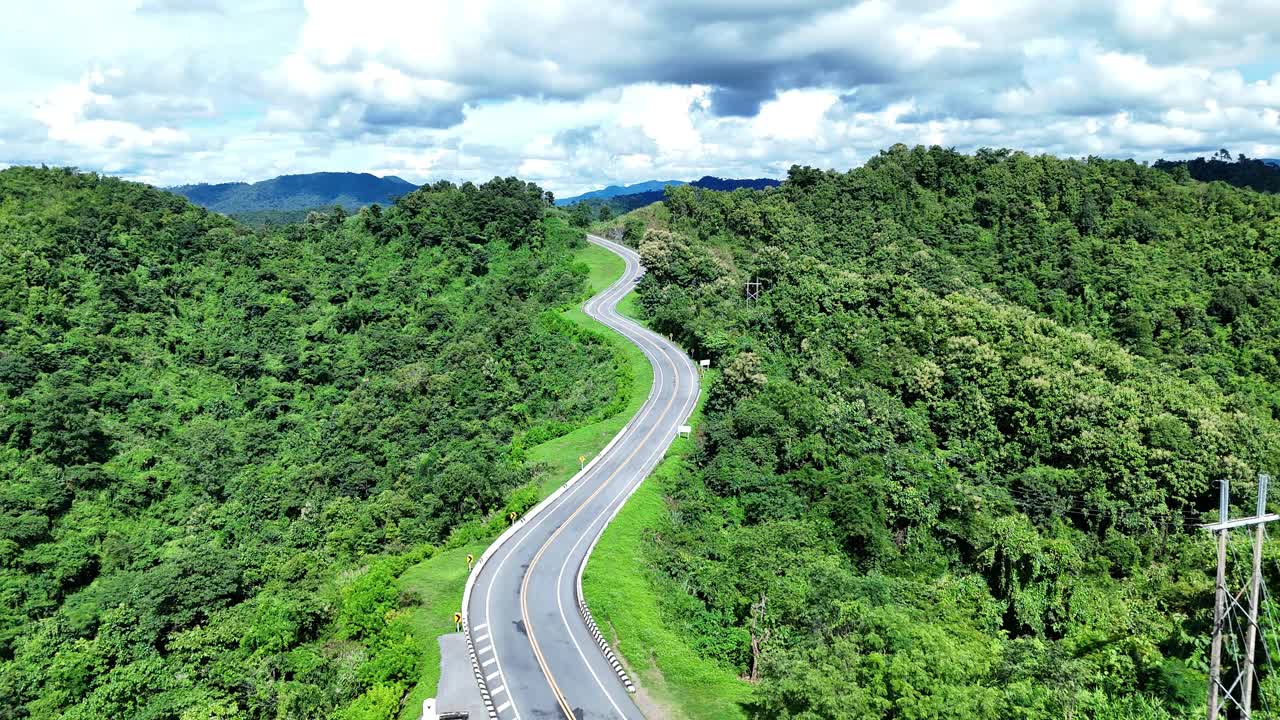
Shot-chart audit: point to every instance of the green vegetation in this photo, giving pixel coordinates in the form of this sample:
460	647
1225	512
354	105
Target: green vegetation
273	218
627	308
955	458
951	467
436	586
1243	172
224	450
557	459
603	267
605	207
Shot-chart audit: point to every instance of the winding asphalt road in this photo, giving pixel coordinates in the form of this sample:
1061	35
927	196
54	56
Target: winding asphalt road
537	655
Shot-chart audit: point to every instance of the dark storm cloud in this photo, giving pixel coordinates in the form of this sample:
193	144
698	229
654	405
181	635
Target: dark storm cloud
731	102
746	52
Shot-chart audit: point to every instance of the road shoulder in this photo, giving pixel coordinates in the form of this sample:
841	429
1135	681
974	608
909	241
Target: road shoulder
457	691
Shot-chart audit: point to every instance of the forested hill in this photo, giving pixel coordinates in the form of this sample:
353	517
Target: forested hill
1262	175
629	197
219	447
351	191
955	458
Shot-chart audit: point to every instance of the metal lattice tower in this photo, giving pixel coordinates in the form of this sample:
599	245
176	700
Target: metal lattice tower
1227	608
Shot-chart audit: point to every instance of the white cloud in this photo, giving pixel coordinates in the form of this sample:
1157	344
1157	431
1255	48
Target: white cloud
574	94
65	109
794	114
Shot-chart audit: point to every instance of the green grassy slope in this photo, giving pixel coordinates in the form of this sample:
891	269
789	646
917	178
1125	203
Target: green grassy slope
438	584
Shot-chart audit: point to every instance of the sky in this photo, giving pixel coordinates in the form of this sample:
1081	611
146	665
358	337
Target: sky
576	95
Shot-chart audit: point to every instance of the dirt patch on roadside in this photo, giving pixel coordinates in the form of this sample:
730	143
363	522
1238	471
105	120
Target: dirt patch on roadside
651	689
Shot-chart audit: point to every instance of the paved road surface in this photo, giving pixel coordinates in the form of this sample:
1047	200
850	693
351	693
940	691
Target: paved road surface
539	659
457	691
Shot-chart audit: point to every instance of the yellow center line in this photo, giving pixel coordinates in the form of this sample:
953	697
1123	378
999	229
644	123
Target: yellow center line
524	586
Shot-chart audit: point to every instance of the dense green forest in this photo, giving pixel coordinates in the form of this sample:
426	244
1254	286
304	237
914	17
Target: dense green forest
272	218
954	460
220	446
1244	172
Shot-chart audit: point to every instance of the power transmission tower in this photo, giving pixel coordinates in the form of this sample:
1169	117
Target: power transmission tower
1225	603
753	289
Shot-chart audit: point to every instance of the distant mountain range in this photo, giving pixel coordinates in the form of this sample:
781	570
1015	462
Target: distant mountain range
294	193
1272	161
634	196
616	190
289	198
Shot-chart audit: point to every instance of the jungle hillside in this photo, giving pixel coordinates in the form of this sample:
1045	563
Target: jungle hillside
220	446
958	449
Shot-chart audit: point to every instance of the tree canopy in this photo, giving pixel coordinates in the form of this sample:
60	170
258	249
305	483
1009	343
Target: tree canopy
955	458
1243	172
220	446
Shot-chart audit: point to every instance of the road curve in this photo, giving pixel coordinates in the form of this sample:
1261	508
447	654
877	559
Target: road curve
535	655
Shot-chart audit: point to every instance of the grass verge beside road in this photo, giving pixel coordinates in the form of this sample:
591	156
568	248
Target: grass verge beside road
623	595
438	584
439	581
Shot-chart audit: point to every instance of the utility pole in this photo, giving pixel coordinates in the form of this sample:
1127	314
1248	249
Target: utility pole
1218	690
1255	584
1219	603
